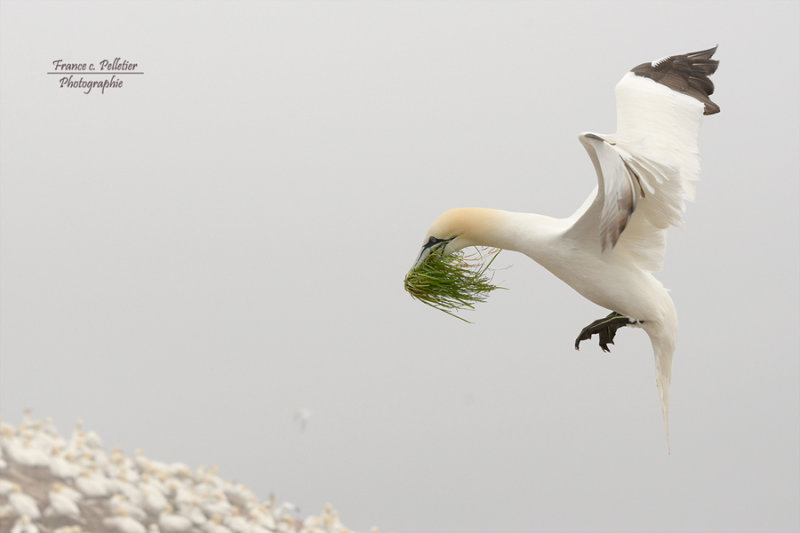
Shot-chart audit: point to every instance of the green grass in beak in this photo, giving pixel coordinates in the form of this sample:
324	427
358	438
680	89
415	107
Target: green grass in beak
453	282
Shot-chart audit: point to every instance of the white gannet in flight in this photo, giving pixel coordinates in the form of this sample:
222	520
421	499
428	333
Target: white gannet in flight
609	248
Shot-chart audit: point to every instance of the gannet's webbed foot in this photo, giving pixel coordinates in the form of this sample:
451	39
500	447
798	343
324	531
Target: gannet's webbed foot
606	328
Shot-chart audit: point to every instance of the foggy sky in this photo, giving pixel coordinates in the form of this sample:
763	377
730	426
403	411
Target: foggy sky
188	259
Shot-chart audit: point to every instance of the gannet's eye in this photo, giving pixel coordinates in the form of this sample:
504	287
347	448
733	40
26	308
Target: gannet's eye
436	241
433	241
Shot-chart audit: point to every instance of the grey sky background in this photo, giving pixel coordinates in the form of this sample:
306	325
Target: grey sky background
188	259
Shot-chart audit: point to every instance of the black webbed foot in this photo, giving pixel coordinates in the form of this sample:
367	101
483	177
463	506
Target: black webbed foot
606	328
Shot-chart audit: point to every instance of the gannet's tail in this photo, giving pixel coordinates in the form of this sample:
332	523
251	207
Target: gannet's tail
663	336
663	375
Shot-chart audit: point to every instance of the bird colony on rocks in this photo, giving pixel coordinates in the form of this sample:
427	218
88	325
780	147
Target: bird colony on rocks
49	484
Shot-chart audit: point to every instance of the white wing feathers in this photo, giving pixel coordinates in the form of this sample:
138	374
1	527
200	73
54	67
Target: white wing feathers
617	188
645	172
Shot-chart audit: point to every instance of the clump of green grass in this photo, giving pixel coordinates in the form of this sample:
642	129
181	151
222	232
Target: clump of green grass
452	282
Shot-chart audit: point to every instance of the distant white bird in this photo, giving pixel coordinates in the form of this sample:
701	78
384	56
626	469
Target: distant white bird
120	505
286	507
63	466
23	504
93	440
6	487
302	416
130	491
218	505
215	525
92	484
24	525
169	522
609	248
193	513
263	517
68	529
153	480
26	453
181	494
61	504
180	470
27	418
124	524
154	501
238	523
69	492
49	428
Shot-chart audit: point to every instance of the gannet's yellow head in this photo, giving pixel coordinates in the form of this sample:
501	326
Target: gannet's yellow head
452	231
442	276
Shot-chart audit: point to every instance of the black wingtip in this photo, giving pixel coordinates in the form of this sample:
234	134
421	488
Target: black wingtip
687	74
703	54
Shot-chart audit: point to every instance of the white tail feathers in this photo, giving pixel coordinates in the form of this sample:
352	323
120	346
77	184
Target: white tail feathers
663	336
662	381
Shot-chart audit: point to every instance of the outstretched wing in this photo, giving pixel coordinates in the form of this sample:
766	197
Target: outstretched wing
687	74
618	188
645	171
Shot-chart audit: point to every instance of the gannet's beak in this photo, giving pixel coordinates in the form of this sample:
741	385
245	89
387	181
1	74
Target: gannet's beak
433	243
426	250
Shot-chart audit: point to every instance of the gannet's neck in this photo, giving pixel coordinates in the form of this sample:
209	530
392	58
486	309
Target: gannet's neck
528	233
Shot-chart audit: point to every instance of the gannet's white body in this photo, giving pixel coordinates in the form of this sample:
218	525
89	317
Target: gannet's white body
608	249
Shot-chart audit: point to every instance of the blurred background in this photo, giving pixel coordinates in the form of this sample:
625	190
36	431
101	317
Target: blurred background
190	259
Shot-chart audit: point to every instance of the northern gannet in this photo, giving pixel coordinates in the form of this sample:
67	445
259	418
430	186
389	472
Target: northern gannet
173	523
124	523
24	525
62	504
22	503
609	248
